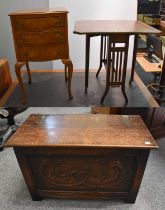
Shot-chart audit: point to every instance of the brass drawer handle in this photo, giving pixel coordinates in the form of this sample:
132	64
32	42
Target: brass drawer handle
58	35
58	52
23	38
22	25
56	21
25	54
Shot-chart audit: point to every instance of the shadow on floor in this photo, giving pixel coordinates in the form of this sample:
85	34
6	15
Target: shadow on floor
50	90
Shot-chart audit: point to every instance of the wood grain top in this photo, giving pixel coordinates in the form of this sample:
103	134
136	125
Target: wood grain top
40	11
148	66
114	131
113	26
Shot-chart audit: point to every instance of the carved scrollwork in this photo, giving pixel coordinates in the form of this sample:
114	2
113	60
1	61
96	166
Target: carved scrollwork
70	173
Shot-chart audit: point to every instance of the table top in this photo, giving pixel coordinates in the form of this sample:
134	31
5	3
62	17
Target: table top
148	66
40	11
113	26
110	131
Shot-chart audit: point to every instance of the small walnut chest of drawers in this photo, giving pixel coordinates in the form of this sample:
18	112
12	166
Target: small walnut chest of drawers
40	35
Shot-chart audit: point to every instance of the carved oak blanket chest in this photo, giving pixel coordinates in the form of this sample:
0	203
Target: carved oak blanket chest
83	156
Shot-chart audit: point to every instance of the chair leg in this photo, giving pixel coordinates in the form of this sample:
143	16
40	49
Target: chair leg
98	71
101	57
124	93
105	93
66	77
29	74
108	67
107	84
69	65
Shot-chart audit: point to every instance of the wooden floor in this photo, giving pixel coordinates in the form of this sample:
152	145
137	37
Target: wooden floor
48	89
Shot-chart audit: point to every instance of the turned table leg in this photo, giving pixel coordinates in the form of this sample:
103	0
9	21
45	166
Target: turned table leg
134	57
18	66
103	53
87	53
68	65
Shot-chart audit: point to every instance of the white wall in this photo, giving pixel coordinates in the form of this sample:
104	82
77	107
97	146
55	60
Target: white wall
79	10
6	40
92	9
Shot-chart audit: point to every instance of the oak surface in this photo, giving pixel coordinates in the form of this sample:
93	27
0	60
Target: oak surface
113	26
112	131
83	156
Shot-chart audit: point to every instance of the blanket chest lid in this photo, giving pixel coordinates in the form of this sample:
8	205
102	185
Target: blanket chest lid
114	131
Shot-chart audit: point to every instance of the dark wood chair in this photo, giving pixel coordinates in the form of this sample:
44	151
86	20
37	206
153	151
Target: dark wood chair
142	47
115	60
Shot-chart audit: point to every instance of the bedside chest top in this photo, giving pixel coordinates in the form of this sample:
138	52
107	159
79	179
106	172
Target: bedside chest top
110	131
40	11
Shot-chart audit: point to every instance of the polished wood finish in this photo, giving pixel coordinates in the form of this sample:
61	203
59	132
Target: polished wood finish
61	157
68	67
39	11
41	35
28	176
18	67
5	77
83	174
92	28
153	118
103	55
50	131
106	27
7	94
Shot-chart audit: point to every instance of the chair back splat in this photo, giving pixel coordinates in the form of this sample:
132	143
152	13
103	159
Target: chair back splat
117	56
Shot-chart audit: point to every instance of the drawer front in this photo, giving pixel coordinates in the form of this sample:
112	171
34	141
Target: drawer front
79	173
37	24
42	53
41	38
